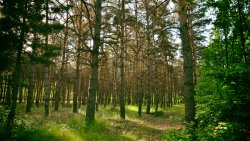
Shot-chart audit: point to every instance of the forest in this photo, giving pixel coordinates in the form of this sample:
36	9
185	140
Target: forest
148	70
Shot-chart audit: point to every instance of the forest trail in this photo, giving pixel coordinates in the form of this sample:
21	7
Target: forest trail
66	126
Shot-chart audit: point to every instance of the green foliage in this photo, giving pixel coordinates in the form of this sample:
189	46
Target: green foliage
222	102
174	135
186	134
66	126
3	118
222	93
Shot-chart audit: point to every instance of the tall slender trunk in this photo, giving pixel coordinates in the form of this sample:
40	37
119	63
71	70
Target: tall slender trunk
30	89
241	30
46	69
114	88
68	93
148	62
78	57
60	83
16	75
8	93
20	94
188	65
122	87
90	111
138	68
156	87
226	45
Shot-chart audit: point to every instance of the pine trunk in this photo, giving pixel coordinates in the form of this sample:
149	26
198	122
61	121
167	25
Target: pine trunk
46	69
188	64
90	111
122	89
148	63
30	89
78	57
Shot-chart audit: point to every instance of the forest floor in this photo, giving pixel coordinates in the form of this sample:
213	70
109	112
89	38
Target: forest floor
66	126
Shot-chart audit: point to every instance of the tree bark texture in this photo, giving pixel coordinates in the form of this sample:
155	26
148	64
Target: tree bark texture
90	111
122	77
188	65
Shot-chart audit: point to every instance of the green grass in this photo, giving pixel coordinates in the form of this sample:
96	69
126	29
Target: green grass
66	126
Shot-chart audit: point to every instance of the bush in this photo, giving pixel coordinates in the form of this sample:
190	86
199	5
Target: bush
3	118
222	110
175	135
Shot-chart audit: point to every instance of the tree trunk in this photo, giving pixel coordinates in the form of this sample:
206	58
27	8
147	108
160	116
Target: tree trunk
148	63
188	65
122	87
30	89
60	82
46	69
78	57
20	95
68	94
12	113
156	87
46	90
8	93
241	31
16	76
90	111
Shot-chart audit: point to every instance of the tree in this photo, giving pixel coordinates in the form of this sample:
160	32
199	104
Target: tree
61	80
223	86
46	68
20	6
122	89
90	111
78	55
188	64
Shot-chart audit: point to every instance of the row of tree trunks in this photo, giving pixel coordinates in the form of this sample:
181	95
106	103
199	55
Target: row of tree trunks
106	95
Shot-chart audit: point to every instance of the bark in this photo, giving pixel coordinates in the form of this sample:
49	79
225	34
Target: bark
122	87
241	30
16	76
20	95
60	82
156	87
140	99
226	45
114	88
188	65
148	61
30	89
46	90
46	70
8	94
90	111
68	94
78	57
39	87
12	112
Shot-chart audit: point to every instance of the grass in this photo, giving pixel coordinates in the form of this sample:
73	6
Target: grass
66	126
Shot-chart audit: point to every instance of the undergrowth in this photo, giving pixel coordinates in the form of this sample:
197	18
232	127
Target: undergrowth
66	126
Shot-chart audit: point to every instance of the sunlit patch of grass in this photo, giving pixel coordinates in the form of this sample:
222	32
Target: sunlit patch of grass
53	133
64	125
132	108
63	132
